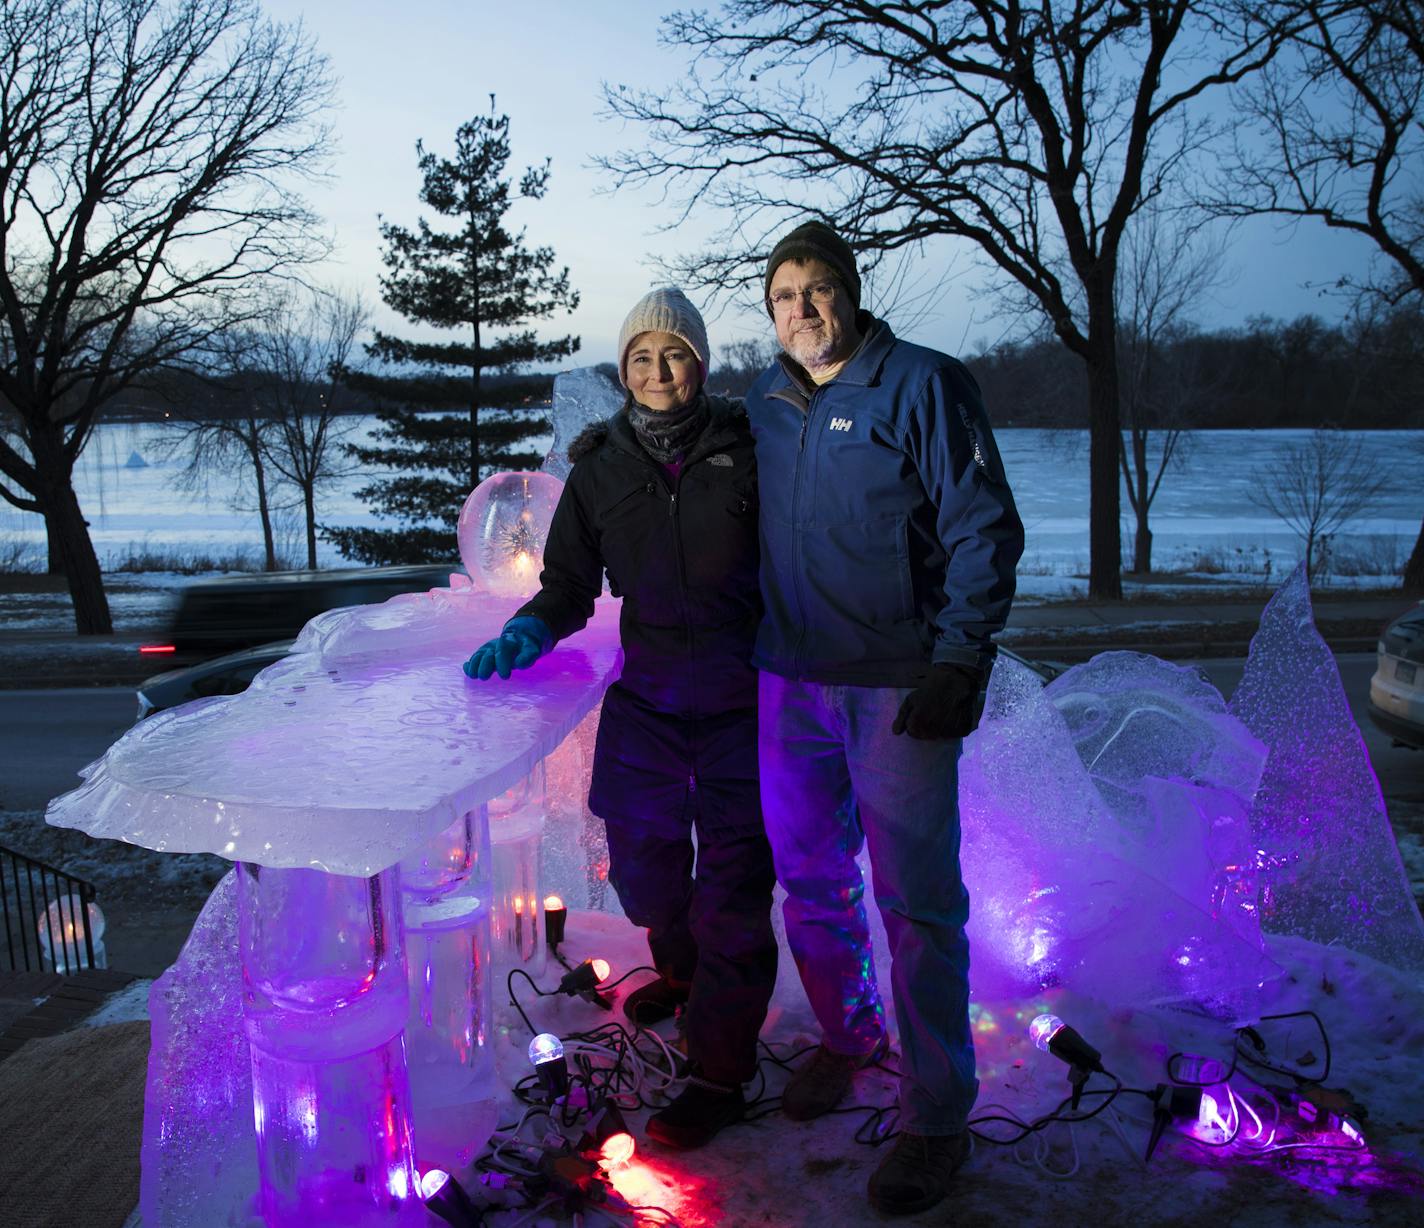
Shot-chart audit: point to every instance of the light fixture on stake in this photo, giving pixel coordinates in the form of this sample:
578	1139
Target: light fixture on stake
1050	1034
446	1197
555	917
1180	1103
609	1136
546	1051
585	976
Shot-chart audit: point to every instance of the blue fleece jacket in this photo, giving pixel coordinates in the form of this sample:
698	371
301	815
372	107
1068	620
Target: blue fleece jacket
889	534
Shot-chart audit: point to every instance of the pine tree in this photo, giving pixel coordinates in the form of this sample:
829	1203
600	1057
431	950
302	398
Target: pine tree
471	279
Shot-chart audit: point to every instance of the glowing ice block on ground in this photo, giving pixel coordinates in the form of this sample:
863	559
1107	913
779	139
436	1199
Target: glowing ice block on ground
199	1159
1333	872
1059	890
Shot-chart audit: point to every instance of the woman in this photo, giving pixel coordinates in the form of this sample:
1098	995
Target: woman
663	498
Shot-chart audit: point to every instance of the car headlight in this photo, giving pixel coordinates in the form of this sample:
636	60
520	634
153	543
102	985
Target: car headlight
144	706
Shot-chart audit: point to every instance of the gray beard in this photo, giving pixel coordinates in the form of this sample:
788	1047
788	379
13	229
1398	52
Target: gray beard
811	350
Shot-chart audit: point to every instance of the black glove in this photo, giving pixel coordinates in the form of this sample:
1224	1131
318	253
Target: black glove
941	707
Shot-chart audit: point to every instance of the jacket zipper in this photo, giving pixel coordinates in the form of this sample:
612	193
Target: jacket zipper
686	618
798	568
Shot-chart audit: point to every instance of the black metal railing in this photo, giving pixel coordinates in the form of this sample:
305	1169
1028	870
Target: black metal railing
47	925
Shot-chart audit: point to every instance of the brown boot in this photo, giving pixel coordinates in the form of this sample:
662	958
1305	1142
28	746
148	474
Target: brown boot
821	1082
918	1172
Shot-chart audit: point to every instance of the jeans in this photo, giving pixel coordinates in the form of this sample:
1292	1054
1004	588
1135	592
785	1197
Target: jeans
833	777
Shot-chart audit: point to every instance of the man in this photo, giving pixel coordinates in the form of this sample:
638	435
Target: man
889	540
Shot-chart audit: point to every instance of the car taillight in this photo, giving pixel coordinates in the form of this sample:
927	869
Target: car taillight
158	648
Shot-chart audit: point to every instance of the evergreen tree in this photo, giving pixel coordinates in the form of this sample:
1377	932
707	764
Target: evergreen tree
469	279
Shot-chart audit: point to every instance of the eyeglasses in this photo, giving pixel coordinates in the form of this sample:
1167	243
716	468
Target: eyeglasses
822	293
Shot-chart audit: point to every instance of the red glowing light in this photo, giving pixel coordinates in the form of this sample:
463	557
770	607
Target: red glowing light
618	1149
601	969
154	648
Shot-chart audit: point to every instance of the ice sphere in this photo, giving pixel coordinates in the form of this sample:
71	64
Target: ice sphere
581	398
199	1157
1058	889
502	529
348	755
1332	871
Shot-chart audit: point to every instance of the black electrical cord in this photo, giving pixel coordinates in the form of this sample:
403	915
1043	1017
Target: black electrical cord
1289	1072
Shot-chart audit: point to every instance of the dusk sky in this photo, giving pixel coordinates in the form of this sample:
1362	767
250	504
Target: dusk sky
416	70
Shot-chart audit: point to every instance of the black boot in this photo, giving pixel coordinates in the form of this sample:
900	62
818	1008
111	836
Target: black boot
693	1119
918	1172
655	1001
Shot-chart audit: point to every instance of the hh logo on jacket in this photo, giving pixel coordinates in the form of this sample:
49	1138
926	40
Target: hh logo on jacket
840	424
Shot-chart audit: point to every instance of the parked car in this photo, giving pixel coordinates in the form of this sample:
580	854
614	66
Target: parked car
224	615
1397	688
231	674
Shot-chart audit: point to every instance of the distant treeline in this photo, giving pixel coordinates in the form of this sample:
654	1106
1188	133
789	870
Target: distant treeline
1269	373
198	397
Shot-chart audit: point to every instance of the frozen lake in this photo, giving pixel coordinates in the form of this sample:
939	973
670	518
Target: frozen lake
1202	518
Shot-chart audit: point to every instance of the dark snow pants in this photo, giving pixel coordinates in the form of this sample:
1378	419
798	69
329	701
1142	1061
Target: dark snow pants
658	778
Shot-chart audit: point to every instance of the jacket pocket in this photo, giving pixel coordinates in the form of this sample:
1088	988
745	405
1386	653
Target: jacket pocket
858	575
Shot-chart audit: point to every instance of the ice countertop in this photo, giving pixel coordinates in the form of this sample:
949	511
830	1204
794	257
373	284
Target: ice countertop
358	748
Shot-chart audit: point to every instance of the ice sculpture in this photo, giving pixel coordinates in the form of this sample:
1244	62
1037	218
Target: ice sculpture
1176	770
325	999
351	781
581	398
446	892
502	529
1330	870
199	1161
1063	892
516	827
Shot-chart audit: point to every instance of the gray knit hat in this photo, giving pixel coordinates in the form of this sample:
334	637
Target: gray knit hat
663	311
815	241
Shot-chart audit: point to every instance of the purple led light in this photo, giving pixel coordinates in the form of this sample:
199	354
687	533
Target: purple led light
1043	1029
546	1047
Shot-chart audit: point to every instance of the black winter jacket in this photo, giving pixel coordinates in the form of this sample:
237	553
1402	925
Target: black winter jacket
681	553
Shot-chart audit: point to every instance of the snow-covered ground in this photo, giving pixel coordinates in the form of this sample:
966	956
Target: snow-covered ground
781	1174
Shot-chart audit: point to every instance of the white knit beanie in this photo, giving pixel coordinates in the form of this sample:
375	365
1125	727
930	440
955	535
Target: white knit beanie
663	311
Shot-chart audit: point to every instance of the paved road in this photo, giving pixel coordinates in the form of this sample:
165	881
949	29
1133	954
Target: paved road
47	736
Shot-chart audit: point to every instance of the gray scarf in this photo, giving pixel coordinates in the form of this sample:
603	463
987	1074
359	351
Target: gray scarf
667	434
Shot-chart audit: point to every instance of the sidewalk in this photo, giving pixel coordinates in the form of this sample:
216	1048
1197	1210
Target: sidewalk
1174	628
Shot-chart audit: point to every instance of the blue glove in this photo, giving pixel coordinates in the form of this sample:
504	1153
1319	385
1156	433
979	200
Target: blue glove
522	642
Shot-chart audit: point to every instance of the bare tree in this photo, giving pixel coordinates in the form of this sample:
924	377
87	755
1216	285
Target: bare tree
234	446
146	155
1317	486
739	364
1169	266
306	350
1341	122
1033	131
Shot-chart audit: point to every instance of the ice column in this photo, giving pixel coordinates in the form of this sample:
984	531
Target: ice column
446	891
325	1003
516	824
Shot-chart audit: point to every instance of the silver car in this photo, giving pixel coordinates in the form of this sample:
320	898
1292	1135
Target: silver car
1397	688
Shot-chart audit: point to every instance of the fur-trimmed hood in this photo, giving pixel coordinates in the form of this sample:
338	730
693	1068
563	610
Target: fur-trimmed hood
593	436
